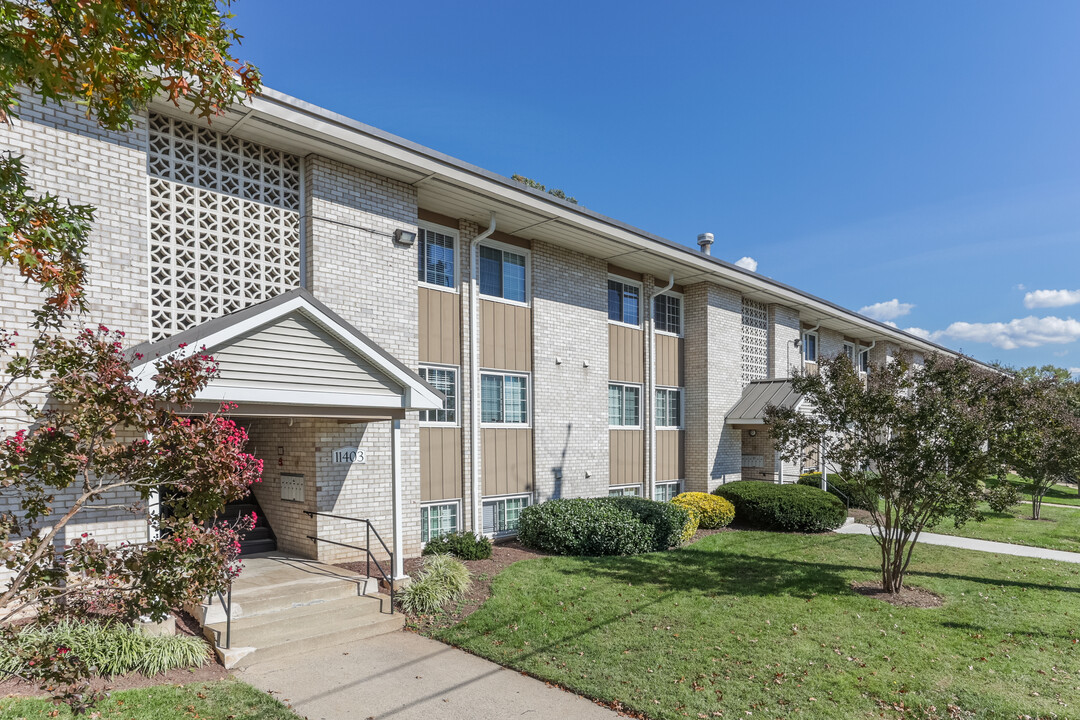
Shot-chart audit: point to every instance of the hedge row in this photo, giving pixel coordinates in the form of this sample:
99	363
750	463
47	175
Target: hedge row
838	487
790	508
603	526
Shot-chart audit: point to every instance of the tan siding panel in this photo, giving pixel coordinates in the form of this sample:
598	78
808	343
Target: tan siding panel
294	353
670	458
626	355
440	327
505	336
670	366
440	463
507	465
627	464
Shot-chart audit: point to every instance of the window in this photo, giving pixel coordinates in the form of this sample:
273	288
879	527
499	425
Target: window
669	314
665	491
623	298
501	516
864	361
445	381
436	266
504	399
668	407
625	491
849	352
624	405
809	347
502	273
438	520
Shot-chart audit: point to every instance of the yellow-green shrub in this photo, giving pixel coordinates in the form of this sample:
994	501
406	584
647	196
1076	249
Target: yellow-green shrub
690	527
713	511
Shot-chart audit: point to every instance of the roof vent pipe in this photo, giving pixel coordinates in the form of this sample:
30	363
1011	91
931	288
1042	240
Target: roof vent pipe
705	241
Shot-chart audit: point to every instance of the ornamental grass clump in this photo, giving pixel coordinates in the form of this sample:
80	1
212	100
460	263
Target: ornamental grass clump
105	649
713	511
442	579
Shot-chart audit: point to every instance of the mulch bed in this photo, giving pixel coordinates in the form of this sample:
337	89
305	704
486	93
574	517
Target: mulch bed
908	597
863	517
211	671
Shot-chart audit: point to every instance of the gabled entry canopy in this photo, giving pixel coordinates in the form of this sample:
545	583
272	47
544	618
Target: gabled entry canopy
760	394
293	356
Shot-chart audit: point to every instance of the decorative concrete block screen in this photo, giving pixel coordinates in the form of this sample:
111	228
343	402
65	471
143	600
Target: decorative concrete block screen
224	224
755	340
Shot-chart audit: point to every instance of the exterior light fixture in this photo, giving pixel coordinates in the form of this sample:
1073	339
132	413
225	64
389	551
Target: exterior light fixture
404	237
753	433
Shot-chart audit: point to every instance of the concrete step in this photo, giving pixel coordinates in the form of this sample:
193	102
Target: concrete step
268	601
300	622
380	626
250	547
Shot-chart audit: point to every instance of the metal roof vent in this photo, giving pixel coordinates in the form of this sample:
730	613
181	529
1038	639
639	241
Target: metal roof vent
705	241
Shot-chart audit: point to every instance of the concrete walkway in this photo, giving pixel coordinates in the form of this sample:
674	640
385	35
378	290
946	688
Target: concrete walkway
980	545
401	675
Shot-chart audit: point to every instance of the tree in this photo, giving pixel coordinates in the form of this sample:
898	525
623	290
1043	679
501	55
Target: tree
1069	388
543	188
1043	439
912	443
88	437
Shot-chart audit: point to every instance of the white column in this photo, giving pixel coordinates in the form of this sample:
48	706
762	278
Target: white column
399	543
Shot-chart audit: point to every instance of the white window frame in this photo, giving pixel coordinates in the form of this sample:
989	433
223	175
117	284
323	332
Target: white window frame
862	367
636	486
640	409
665	483
440	503
640	295
529	501
682	315
849	351
817	346
457	395
528	399
442	230
507	247
682	406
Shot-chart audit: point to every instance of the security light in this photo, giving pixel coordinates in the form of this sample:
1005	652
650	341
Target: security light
404	237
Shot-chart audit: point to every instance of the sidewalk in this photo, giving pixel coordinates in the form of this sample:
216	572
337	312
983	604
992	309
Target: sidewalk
980	545
400	676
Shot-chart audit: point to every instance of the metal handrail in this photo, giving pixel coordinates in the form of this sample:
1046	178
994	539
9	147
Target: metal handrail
227	604
387	576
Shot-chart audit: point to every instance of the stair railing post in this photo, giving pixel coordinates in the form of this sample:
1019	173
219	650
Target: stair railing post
367	546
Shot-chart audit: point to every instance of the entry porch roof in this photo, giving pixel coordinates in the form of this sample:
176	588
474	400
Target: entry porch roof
291	356
760	394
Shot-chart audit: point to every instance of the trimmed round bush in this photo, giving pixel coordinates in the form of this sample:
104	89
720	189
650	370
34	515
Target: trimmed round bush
583	526
789	508
713	511
838	487
690	528
668	522
463	545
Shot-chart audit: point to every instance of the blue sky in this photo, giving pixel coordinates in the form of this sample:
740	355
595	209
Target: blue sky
925	153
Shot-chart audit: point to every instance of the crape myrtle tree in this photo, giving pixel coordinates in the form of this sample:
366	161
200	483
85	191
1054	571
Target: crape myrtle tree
913	443
1043	440
77	436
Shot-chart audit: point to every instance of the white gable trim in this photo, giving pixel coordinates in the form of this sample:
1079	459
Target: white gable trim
416	395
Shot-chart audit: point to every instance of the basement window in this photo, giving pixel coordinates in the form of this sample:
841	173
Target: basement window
501	515
438	520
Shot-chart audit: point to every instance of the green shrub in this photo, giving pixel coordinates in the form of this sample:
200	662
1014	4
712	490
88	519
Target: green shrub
1002	495
790	508
584	526
604	526
838	487
464	546
441	580
713	511
107	648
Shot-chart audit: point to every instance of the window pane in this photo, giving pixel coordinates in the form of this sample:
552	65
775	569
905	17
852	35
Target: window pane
614	300
661	408
436	258
631	406
669	314
675	408
490	271
516	391
491	400
513	266
810	348
615	404
445	381
630	304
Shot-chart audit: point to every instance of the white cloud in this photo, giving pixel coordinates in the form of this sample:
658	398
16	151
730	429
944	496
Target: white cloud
888	310
1023	332
919	332
1074	371
1051	298
748	263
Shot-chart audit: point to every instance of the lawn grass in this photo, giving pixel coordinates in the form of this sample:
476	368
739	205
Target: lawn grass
222	700
766	624
1058	528
1059	494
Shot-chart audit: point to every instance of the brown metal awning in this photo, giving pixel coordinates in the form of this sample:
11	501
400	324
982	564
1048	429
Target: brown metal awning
758	395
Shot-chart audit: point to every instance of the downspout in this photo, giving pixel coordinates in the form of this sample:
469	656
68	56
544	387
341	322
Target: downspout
474	372
650	491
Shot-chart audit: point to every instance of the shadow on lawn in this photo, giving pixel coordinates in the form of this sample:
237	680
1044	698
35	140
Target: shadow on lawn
709	571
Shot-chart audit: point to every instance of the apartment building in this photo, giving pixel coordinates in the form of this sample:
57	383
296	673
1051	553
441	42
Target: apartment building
414	340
